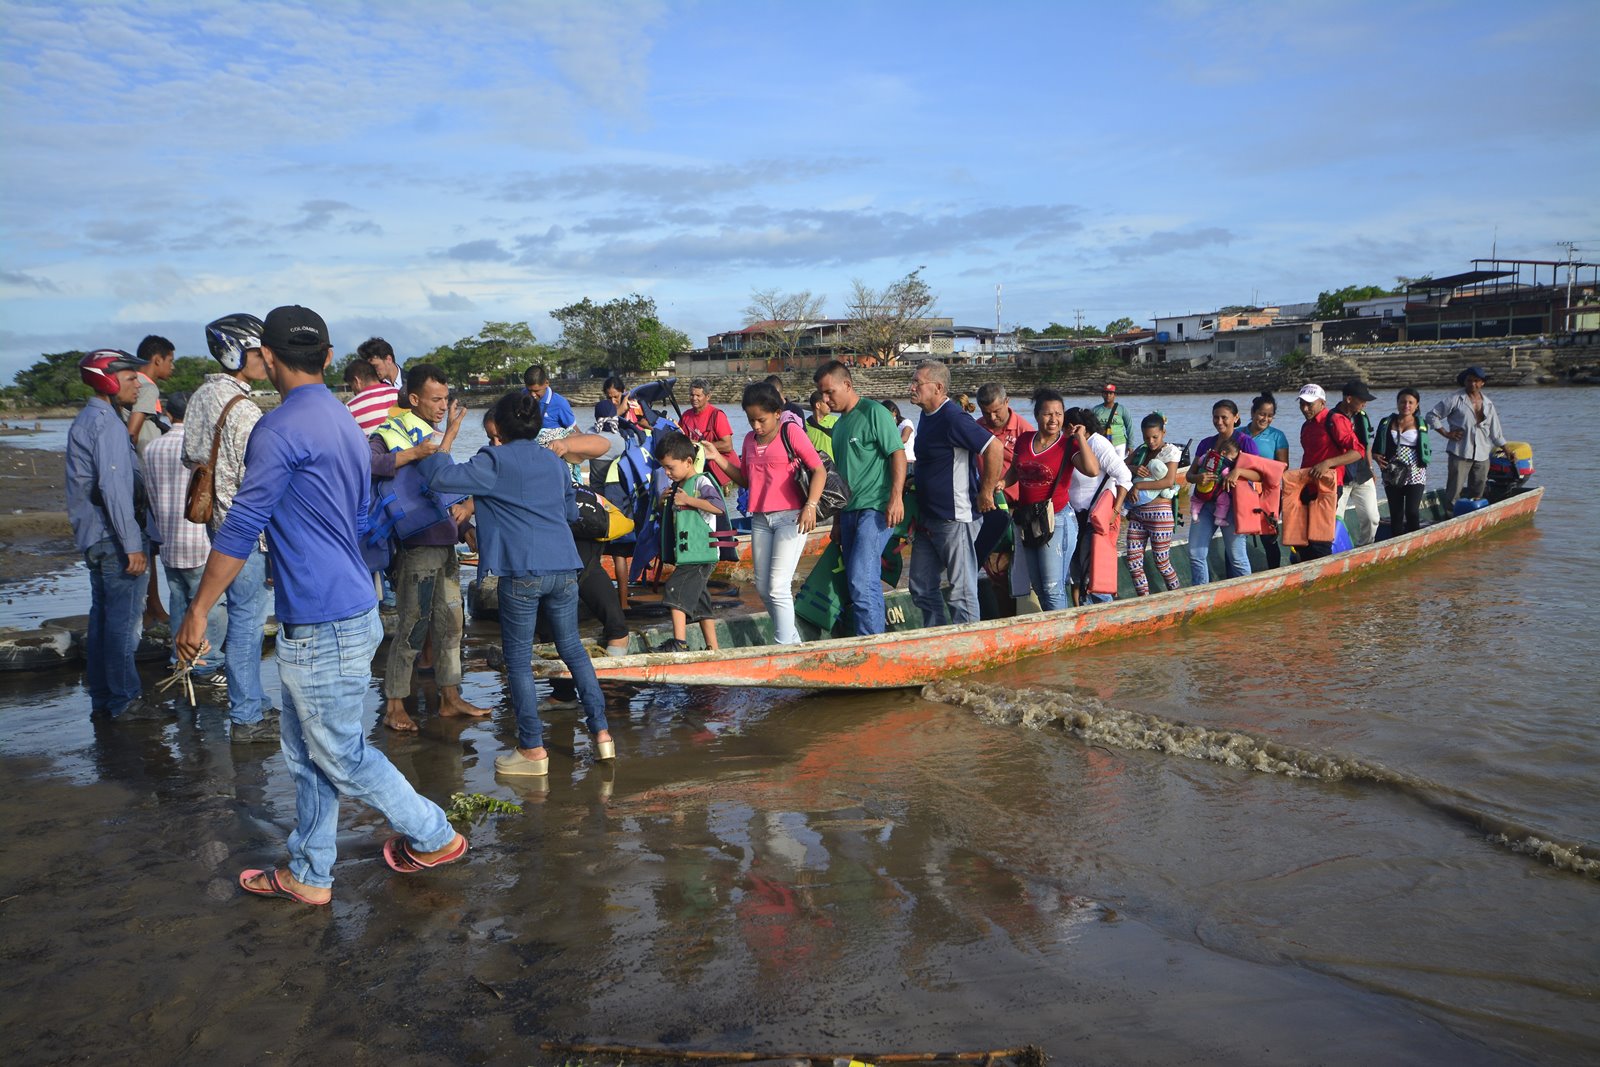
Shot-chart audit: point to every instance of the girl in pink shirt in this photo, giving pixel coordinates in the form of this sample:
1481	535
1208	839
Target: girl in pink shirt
780	517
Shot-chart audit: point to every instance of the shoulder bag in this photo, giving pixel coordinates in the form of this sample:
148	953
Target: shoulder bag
200	499
835	494
1036	523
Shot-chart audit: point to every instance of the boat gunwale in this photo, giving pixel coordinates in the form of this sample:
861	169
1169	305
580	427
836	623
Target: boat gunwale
1076	626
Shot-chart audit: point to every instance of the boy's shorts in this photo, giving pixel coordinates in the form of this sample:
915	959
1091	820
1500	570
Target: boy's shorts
686	591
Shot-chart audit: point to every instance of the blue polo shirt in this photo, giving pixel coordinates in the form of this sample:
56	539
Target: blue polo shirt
307	479
948	439
556	411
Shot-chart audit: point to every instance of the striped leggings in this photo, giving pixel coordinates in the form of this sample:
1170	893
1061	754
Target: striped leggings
1153	523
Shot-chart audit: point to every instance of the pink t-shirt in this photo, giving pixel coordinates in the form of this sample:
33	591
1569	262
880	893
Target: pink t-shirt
772	486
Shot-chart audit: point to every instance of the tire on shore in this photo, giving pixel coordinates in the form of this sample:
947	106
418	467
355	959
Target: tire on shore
39	649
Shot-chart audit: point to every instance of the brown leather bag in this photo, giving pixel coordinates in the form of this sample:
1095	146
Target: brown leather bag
200	500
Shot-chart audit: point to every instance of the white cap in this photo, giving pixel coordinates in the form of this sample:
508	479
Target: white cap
1312	393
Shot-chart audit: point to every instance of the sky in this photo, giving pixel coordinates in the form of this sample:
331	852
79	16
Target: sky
414	169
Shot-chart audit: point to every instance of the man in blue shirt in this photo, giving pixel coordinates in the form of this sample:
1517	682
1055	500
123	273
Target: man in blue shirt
105	498
557	412
307	479
948	504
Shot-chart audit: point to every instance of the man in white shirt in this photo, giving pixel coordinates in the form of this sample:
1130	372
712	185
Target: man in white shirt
1470	421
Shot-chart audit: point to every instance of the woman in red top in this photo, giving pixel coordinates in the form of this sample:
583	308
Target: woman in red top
1038	470
780	517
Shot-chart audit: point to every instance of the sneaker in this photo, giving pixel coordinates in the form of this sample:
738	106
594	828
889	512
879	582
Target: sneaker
674	645
141	710
212	688
265	729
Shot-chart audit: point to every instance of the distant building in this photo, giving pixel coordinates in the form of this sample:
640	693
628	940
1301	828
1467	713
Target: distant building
1500	298
1195	339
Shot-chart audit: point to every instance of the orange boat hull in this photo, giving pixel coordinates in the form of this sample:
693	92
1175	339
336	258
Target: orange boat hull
916	657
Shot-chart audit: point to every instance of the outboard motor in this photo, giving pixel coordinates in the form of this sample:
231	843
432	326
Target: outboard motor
1510	471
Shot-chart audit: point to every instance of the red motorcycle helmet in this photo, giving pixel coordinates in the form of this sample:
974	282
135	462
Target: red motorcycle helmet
99	369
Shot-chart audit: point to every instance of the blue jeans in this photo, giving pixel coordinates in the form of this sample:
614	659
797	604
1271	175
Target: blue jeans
520	598
326	670
241	654
945	547
1047	565
116	613
863	535
182	585
1236	546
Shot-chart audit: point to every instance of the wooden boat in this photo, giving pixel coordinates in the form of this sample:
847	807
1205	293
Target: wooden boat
909	655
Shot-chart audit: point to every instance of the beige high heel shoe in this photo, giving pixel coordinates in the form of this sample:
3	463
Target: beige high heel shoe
514	762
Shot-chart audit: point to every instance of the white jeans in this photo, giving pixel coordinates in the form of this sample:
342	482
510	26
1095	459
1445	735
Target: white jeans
775	547
1358	507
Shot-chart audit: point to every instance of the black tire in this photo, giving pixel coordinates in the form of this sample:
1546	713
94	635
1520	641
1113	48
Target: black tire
34	650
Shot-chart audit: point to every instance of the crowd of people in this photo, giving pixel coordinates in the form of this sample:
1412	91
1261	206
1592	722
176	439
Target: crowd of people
337	505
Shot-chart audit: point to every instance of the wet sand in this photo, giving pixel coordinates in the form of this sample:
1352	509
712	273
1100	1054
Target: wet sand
761	871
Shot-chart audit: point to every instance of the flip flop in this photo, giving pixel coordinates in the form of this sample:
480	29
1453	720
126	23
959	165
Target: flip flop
278	889
398	855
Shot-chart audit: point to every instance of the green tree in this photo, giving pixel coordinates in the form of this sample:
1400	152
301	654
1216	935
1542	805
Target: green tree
1331	305
52	380
499	351
624	334
188	372
1055	329
1116	326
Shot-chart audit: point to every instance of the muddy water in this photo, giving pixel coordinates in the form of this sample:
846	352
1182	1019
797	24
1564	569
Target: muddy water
784	872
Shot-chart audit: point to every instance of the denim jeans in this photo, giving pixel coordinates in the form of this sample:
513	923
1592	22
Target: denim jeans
863	535
427	582
1237	546
241	655
1047	565
520	599
326	670
775	546
182	585
116	613
945	547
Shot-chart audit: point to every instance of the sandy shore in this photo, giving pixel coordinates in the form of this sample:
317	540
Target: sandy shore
35	537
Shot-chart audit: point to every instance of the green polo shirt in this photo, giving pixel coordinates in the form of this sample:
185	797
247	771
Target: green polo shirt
863	440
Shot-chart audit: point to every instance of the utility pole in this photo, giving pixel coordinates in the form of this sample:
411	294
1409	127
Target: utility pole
1572	248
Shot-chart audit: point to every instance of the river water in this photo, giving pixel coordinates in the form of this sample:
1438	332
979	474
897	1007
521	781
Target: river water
884	871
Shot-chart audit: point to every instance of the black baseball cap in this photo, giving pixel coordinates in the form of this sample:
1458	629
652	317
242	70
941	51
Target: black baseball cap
294	328
1357	388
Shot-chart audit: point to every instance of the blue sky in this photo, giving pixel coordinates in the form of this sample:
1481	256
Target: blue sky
414	169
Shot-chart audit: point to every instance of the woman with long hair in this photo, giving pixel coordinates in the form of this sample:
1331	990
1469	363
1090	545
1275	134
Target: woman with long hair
780	517
1400	447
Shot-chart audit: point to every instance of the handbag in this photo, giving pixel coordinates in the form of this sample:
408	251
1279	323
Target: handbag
1397	475
199	501
835	493
1036	523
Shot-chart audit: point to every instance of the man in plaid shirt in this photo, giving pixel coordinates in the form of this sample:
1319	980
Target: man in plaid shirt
184	544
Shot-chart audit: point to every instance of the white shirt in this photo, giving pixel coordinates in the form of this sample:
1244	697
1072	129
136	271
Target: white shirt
1080	491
